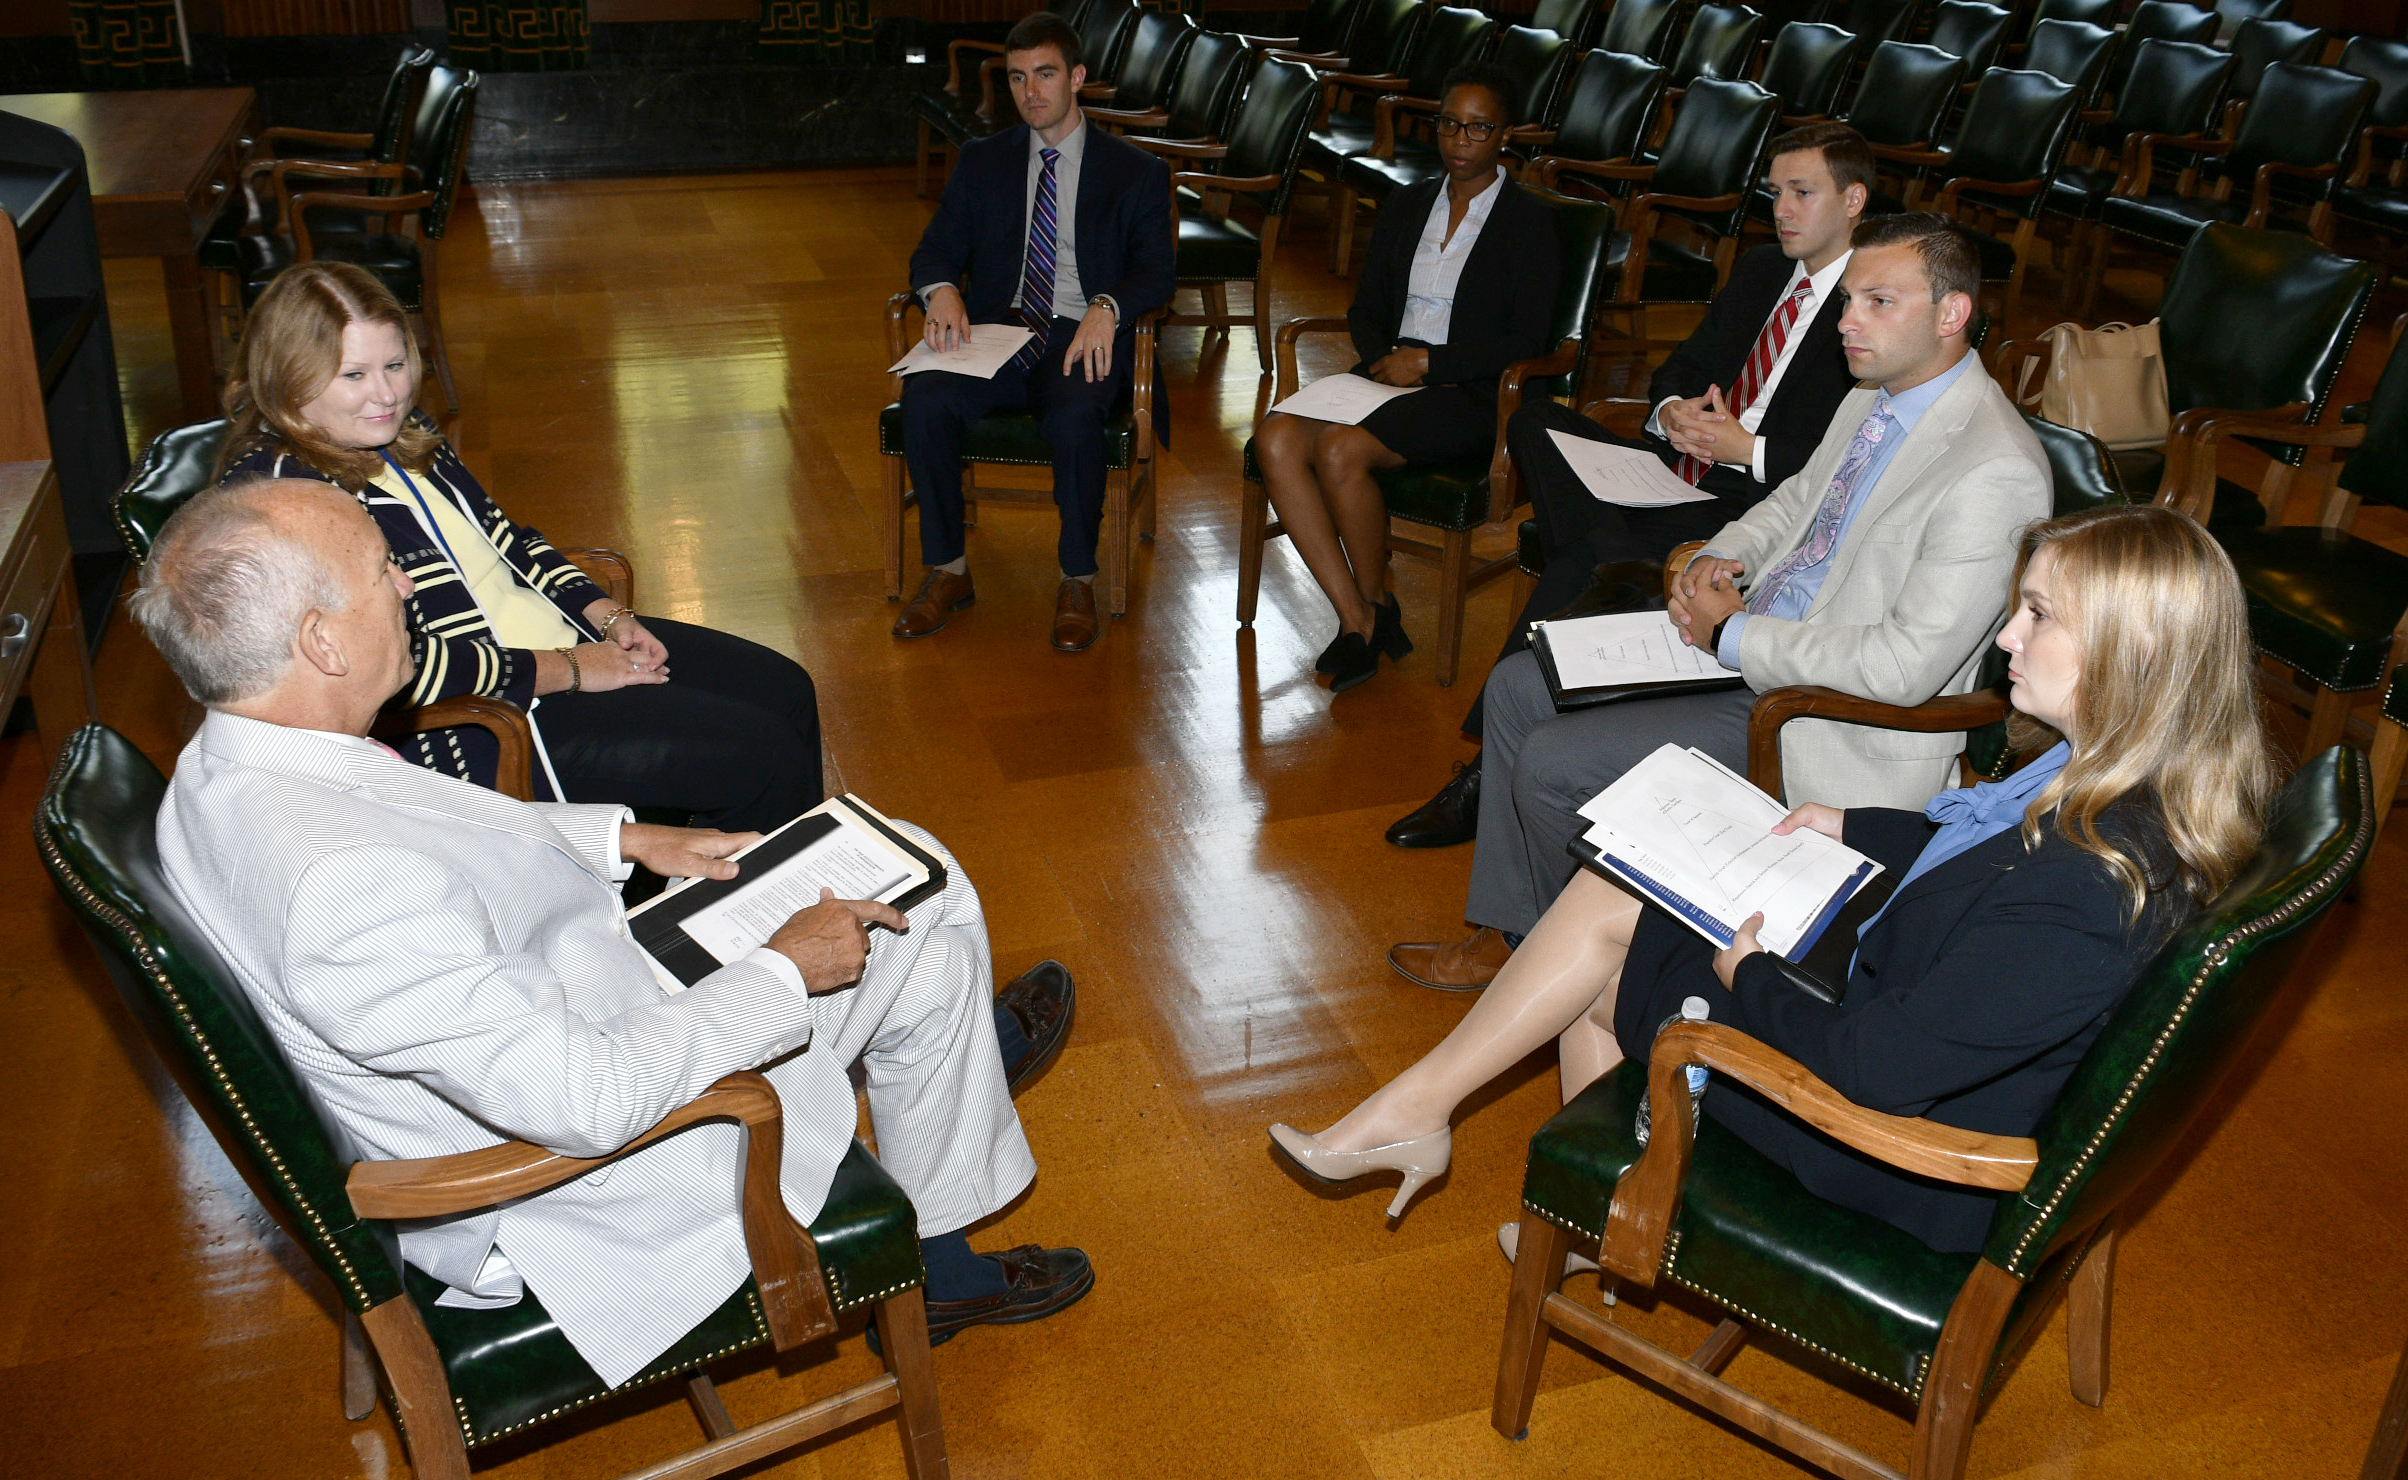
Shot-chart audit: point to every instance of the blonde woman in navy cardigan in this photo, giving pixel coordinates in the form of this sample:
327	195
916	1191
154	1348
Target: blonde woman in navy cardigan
645	711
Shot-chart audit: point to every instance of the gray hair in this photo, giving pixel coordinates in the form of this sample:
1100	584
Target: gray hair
225	589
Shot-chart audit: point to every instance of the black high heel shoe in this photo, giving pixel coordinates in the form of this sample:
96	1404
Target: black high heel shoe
1388	631
1353	660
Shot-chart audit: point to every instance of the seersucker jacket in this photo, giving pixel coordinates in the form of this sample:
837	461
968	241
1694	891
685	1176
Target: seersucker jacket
445	966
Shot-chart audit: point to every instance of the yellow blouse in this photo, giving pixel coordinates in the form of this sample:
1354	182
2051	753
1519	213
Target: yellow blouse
520	618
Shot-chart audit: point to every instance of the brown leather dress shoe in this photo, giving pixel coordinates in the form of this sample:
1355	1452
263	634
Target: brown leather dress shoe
1074	625
941	594
1455	966
1037	1282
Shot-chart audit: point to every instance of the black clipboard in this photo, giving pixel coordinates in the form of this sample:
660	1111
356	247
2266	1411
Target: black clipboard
659	924
1589	698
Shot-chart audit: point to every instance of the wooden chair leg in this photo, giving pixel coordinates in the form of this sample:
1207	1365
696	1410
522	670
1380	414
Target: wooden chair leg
1216	313
2387	1456
919	164
1262	293
1454	574
2389	759
1116	539
903	1336
420	1390
2087	1309
2328	717
431	309
1147	490
890	480
1538	1267
359	1370
1341	228
1253	519
703	1394
2275	493
1952	1392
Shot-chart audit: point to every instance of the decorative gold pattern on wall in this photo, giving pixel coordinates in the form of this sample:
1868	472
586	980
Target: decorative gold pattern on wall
520	35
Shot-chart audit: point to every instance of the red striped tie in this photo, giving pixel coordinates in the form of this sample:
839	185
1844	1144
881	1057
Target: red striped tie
1752	375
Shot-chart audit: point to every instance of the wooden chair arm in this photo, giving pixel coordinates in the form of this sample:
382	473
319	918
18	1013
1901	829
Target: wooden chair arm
513	737
1197	180
1777	707
1284	349
1269	43
299	207
1141	371
1946	205
1504	494
1375	82
2363	170
1097	91
2140	156
1317	62
956	50
2261	193
1654	202
1530	135
1917	154
2189	484
315	137
1383	120
1183	148
2007	360
989	72
1128	117
1624	168
606	568
794	1293
1647	1197
1678	561
1628	413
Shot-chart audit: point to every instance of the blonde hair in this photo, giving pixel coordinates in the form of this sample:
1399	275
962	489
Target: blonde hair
292	347
2166	705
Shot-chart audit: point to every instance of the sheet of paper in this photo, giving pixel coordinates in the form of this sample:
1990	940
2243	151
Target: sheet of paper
1342	398
1615	474
734	927
1693	826
991	347
1627	647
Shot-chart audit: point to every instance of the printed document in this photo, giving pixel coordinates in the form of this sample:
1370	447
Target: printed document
845	861
1342	398
1615	474
1695	838
1618	648
991	347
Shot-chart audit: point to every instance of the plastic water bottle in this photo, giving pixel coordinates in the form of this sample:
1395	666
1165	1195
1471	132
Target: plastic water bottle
1693	1010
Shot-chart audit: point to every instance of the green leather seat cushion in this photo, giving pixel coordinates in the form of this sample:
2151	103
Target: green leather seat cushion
1674	273
2080	189
1748	1236
511	1367
2171	219
1450	495
2236	506
1377	179
1341	136
2374	205
2320	600
392	257
956	118
1014	437
1212	250
2395	698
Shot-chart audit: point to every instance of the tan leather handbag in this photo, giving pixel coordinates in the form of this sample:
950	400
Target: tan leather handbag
2109	381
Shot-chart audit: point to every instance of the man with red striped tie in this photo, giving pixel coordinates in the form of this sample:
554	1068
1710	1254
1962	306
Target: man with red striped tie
1738	406
1064	230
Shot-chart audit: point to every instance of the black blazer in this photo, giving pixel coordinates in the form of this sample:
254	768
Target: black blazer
1974	997
1810	390
1122	221
1504	302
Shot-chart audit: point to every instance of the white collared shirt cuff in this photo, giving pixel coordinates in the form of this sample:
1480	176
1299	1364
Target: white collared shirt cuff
1654	427
622	867
779	965
1755	460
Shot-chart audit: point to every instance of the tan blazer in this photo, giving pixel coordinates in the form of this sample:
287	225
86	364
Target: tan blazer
1917	589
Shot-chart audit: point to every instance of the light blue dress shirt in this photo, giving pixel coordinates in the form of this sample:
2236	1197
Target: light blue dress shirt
1797	598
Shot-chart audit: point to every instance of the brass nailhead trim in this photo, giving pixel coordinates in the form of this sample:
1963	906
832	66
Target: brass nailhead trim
641	1379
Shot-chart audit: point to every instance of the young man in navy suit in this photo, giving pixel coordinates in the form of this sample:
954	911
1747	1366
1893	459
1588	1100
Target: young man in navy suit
1738	406
1066	230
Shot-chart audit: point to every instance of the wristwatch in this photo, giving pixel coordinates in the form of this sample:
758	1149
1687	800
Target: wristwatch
1714	643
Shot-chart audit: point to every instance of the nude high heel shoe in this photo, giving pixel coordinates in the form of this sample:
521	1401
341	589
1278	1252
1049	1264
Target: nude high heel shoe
1420	1159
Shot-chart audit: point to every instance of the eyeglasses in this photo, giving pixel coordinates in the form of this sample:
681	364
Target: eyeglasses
1479	133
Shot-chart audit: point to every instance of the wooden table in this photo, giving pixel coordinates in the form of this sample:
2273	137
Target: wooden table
41	626
162	164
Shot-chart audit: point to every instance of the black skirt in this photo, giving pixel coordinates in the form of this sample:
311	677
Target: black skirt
1438	423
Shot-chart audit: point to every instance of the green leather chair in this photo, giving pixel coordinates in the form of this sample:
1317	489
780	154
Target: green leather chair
1404	149
1874	21
975	101
2172	92
1453	35
2330	606
461	1379
1211	76
1641	28
1382	48
1969	29
1804	68
428	177
1712	1215
1149	63
1012	439
1256	164
2257	43
1576	21
1907	90
2000	168
1322	35
1452	498
1605	118
2073	51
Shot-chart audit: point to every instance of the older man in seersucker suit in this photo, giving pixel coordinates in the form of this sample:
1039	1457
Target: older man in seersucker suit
1067	231
1879	569
447	967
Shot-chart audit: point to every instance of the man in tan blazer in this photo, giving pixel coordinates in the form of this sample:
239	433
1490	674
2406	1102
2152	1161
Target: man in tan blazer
1879	569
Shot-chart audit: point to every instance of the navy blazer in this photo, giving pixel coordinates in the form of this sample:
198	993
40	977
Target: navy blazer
1504	301
1122	221
1972	1000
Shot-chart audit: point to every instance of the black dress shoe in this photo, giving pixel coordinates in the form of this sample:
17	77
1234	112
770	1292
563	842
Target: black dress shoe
1044	999
1388	632
1037	1282
1451	817
1353	660
1617	586
1327	663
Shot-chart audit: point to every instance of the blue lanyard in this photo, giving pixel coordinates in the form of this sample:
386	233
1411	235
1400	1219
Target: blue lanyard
432	527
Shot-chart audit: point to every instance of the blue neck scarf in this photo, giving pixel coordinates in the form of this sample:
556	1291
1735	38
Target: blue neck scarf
1970	816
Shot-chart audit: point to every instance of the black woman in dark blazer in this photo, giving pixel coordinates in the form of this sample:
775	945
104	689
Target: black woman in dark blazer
2023	910
1460	283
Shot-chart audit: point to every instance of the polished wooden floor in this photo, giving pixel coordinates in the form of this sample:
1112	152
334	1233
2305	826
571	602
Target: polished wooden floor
687	369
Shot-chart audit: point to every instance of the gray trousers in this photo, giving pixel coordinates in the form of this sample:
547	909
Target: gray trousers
1539	767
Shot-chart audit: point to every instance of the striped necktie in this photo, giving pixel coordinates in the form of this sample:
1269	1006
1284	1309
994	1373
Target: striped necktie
1756	371
1824	532
1037	278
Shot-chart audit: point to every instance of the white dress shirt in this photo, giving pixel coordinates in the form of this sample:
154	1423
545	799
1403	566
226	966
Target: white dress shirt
1820	285
1438	265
